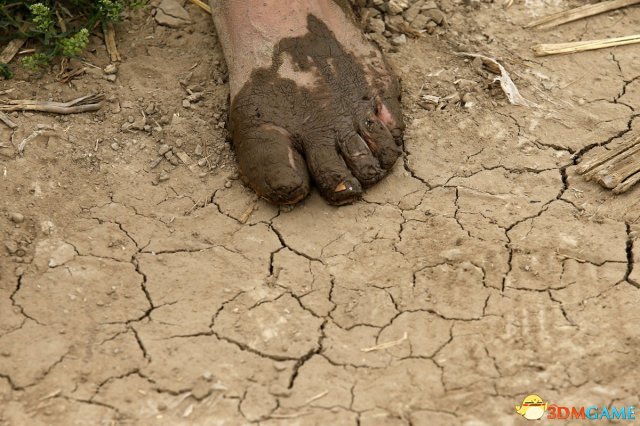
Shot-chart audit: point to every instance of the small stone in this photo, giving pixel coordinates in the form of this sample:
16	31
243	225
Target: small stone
111	77
162	406
420	23
110	69
399	40
150	109
227	184
147	128
115	146
11	246
17	217
208	376
397	6
174	161
164	148
47	227
179	143
186	103
431	27
198	150
63	254
164	176
376	25
155	162
170	13
194	97
467	100
202	162
436	15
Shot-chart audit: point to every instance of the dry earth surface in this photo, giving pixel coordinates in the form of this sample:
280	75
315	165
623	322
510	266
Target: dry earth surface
133	292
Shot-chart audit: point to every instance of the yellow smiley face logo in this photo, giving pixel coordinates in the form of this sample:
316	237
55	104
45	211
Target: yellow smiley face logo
532	408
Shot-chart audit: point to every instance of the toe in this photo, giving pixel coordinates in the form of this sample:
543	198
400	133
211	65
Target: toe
272	166
379	140
363	164
389	113
329	170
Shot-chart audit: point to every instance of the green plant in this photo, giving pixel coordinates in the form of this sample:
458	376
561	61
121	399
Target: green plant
57	28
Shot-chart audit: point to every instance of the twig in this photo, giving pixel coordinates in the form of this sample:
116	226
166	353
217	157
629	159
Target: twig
11	49
110	42
579	13
316	397
5	119
203	5
582	46
618	169
32	136
386	345
244	217
84	104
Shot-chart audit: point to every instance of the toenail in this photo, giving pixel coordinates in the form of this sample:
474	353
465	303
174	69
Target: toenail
343	187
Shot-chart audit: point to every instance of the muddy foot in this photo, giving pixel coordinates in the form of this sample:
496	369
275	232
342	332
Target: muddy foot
310	99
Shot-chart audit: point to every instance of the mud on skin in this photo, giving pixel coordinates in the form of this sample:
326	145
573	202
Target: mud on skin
344	131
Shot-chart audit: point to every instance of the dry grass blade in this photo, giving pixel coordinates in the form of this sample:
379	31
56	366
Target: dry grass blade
582	46
202	4
84	104
386	345
508	86
579	13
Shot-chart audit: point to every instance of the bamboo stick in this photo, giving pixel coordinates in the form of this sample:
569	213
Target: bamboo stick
581	46
579	13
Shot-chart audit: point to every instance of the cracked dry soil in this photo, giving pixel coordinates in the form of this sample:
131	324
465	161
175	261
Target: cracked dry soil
128	299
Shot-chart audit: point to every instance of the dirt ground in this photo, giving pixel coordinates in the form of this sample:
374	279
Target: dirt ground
481	270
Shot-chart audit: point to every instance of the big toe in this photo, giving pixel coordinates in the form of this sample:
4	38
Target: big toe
271	164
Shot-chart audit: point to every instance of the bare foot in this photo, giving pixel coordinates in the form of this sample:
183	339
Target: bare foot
310	96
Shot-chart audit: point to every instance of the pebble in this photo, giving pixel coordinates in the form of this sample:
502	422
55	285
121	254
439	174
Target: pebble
227	184
11	246
111	77
164	148
155	162
164	176
399	40
110	69
174	161
115	146
186	104
17	217
202	162
198	150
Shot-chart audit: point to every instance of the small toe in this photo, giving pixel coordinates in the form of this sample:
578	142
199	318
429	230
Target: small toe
363	164
272	166
333	178
389	112
380	140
